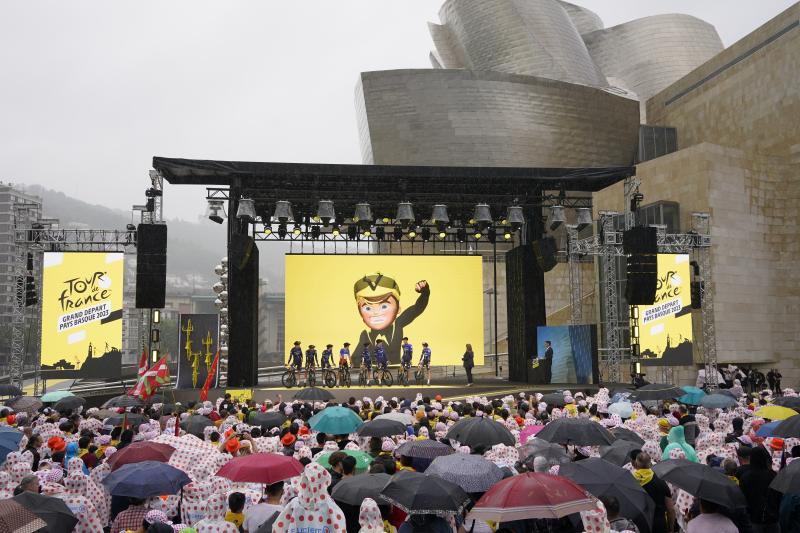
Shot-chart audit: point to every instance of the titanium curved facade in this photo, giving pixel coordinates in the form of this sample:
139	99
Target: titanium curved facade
535	38
651	53
585	20
468	118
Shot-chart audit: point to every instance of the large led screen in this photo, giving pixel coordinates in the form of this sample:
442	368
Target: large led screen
333	299
566	355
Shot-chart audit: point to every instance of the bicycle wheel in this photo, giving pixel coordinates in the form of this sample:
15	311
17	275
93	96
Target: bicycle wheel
388	380
289	379
419	376
311	380
329	379
362	378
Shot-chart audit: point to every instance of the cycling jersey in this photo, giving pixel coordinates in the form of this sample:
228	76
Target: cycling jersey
295	357
380	357
407	356
344	357
366	358
311	357
326	358
425	358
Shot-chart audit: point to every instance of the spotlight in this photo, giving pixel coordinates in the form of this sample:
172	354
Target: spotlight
443	235
246	210
426	234
156	317
507	235
153	193
154	355
268	230
439	215
363	215
405	213
352	232
412	233
282	231
366	233
297	231
325	211
398	233
386	220
515	217
315	232
336	231
491	234
483	215
215	211
283	211
380	233
478	235
556	217
461	234
155	335
130	227
584	217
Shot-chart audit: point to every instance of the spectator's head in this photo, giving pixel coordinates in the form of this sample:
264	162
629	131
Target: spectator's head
540	464
737	423
612	506
375	445
35	441
214	437
84	442
377	468
275	491
729	465
643	461
236	502
29	483
335	460
321	437
760	459
348	465
743	454
126	437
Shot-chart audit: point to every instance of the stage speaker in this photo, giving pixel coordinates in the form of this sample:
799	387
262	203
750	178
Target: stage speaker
151	266
640	240
642	278
242	311
545	252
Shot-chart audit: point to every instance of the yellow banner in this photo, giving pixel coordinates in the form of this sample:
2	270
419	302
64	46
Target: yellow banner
240	395
81	309
333	299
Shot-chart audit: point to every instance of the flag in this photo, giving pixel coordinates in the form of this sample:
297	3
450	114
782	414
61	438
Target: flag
209	378
151	380
142	364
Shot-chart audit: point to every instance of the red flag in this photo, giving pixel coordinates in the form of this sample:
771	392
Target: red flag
151	380
140	374
209	378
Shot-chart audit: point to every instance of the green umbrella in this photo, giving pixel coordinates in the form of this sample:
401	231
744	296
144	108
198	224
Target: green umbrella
693	395
54	396
363	459
335	420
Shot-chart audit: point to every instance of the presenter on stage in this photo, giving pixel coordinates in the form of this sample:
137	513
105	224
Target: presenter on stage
548	361
378	302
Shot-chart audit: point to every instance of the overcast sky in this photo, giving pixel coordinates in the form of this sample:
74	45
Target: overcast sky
91	90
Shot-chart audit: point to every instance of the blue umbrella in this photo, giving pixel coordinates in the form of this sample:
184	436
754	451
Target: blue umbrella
767	429
146	479
623	409
717	401
9	441
693	396
52	397
335	421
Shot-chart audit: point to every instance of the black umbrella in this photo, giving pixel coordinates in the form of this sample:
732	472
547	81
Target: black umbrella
267	420
382	428
792	402
423	449
172	408
314	394
480	430
58	517
417	493
621	433
7	389
554	399
133	420
28	404
195	424
554	453
701	481
69	403
788	479
789	428
159	398
123	400
353	490
657	391
619	452
580	431
602	478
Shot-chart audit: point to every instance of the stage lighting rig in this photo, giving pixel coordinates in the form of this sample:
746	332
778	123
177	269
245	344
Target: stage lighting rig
335	231
515	217
425	233
268	229
283	211
442	234
491	234
412	233
507	235
315	231
246	210
483	216
380	233
557	217
405	213
461	234
297	231
325	211
583	218
363	215
282	231
352	232
398	233
216	211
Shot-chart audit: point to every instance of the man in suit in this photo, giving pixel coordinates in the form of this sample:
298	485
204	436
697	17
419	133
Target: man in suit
548	361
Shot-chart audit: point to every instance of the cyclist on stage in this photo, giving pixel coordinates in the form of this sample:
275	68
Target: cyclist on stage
380	359
295	361
344	361
326	359
366	362
425	361
311	360
407	357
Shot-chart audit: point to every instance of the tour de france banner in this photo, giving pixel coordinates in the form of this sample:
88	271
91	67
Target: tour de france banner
333	299
665	328
198	342
82	296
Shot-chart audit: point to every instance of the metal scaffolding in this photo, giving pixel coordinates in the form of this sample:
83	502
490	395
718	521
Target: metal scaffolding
701	223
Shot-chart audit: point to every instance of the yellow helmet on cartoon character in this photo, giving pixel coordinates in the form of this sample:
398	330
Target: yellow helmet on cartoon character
376	286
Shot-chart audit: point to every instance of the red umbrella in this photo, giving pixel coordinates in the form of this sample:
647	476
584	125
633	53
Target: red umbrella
141	451
267	468
529	431
532	495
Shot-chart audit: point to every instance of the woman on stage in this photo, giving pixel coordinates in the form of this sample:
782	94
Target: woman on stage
469	361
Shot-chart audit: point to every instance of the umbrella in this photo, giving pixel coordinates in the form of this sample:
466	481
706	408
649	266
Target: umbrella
58	517
69	403
473	473
137	452
403	418
693	395
267	420
787	479
527	432
775	412
627	434
158	398
479	431
122	401
134	420
15	518
657	391
619	453
172	408
767	430
195	424
335	420
788	428
701	481
602	478
417	493
620	394
580	431
146	479
102	414
728	392
531	495
554	453
9	441
9	390
363	459
717	401
423	449
314	394
382	428
554	399
623	409
353	490
28	404
266	468
792	402
52	397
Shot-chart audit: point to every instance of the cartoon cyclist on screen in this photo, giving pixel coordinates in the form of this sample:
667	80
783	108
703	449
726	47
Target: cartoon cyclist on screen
378	301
